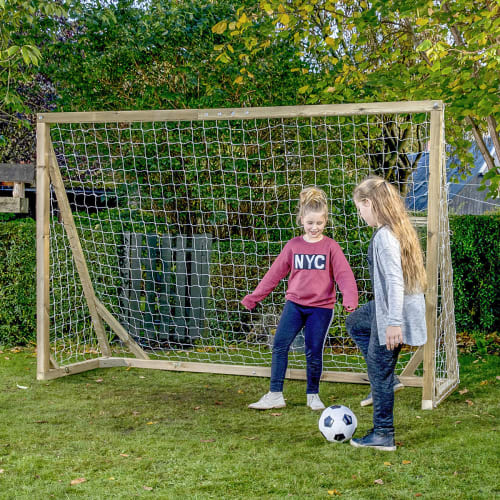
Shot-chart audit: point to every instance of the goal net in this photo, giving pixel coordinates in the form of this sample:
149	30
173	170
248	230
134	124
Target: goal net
152	226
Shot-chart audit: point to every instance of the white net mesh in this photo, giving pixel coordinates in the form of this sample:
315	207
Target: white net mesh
179	220
446	360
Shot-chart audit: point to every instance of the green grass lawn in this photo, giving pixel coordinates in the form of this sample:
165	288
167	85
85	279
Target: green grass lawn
127	433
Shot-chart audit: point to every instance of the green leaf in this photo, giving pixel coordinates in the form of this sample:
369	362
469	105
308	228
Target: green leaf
223	58
220	27
332	42
425	45
284	19
12	50
26	55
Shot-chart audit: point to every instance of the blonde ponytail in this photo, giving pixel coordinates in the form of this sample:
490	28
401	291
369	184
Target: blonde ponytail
312	199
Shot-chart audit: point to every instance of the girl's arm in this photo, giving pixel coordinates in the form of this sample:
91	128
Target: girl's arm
389	262
344	277
278	270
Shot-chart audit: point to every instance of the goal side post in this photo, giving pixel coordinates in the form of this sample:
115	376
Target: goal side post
42	250
440	314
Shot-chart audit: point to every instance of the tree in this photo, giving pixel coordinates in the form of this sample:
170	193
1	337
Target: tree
387	50
118	55
25	26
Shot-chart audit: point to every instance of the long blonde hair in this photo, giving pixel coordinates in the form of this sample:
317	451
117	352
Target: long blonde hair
312	199
389	210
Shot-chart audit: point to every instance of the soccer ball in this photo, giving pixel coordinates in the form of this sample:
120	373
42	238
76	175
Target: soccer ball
337	423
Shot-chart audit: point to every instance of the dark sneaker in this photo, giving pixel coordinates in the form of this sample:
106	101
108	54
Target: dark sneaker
369	399
381	440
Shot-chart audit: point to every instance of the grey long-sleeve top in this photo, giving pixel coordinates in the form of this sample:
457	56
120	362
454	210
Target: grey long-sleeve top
393	307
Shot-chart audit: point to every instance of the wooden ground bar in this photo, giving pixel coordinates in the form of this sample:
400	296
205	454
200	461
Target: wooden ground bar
80	367
212	368
250	371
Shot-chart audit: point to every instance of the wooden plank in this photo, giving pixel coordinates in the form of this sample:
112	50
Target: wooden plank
53	362
120	331
414	362
160	364
250	371
149	265
181	299
77	251
17	172
166	258
204	270
14	205
119	116
80	367
432	263
124	297
214	368
18	190
199	281
42	251
243	113
135	284
195	290
114	362
318	110
418	221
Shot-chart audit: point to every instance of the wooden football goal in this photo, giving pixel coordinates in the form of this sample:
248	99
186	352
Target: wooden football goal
153	225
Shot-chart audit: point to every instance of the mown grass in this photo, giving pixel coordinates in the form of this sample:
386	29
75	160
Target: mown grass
149	434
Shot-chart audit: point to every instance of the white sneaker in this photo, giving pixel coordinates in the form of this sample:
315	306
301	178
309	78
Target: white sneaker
314	402
268	401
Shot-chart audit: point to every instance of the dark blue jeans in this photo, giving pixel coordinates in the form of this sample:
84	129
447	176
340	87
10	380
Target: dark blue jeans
316	322
380	361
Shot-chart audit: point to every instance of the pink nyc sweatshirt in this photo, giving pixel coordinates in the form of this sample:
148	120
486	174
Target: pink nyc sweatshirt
314	270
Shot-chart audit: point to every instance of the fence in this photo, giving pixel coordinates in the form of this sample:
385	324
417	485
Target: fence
165	283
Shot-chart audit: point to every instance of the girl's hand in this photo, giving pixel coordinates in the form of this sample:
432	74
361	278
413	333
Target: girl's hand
249	302
393	337
349	308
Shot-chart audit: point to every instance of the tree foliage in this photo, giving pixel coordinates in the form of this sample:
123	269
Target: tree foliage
21	22
26	28
385	50
154	56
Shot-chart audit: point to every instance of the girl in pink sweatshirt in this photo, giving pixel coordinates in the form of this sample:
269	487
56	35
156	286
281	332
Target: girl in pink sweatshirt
315	264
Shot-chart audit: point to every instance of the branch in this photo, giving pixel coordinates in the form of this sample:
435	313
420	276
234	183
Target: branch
475	130
492	129
423	54
454	31
480	142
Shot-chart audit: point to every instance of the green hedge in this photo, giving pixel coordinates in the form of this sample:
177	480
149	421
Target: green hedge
17	281
475	255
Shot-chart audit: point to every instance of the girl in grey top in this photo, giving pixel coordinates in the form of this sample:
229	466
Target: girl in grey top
396	316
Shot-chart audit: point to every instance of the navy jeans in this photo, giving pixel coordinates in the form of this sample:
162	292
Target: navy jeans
316	322
380	361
